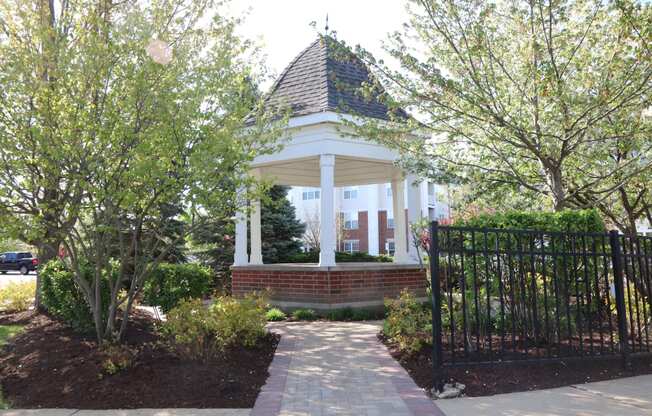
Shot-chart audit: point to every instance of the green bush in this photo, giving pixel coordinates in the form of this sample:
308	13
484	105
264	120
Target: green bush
62	297
340	257
304	315
350	314
191	328
199	332
408	323
275	314
239	321
170	283
522	284
567	220
17	296
366	315
344	314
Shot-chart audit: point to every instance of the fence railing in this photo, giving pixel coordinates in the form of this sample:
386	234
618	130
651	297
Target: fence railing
521	295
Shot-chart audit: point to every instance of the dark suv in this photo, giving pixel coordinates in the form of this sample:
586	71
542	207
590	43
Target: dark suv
24	262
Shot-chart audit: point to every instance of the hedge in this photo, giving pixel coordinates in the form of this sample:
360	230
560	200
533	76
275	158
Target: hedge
171	283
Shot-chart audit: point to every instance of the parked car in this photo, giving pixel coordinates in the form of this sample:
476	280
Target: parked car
24	262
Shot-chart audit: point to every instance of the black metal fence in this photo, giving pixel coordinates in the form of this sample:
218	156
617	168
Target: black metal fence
519	295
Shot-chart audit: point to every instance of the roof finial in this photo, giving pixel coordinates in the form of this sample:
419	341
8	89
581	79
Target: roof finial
326	32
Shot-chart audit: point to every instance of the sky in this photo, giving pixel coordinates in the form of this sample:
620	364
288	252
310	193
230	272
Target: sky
282	27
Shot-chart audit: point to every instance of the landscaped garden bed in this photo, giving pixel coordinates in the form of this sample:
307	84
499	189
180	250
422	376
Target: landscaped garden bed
487	380
50	365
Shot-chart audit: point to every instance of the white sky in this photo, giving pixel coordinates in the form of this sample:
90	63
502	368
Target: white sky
283	28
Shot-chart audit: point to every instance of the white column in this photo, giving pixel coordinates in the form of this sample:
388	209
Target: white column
414	213
240	256
256	253
256	237
372	220
327	220
400	234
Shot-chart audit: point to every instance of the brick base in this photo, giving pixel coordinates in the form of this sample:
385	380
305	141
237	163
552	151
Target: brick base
303	285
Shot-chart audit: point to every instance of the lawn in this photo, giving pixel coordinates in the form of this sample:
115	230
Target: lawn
9	331
6	332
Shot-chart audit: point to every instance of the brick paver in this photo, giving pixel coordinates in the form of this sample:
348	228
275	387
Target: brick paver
338	368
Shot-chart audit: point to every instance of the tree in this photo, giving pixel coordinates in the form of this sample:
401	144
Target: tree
280	233
521	97
312	236
143	107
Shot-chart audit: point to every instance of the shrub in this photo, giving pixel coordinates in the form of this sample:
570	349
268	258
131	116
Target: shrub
199	332
17	296
191	327
275	314
304	315
366	315
350	314
566	220
239	321
63	299
117	358
340	257
170	283
408	323
345	314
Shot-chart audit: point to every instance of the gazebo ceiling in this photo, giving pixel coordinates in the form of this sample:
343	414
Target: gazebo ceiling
348	172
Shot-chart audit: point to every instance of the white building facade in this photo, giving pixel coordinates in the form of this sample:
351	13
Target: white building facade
366	214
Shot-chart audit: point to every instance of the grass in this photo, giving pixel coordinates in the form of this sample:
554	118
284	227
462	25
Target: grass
7	332
3	404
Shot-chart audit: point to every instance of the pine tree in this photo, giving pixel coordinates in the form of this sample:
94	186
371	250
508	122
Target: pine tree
281	230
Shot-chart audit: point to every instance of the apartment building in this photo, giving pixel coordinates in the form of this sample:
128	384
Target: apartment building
365	220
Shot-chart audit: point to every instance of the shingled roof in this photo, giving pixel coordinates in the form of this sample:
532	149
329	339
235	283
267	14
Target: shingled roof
326	77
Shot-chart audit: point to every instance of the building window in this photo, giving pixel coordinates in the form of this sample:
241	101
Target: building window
390	222
350	220
390	248
389	192
351	246
351	194
308	195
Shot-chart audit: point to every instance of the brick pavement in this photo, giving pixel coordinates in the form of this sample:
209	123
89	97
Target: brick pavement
338	368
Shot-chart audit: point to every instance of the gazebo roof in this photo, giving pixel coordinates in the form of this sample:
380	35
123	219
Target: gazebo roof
326	77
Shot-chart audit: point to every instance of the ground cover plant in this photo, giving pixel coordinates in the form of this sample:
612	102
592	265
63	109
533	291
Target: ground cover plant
275	314
9	331
303	314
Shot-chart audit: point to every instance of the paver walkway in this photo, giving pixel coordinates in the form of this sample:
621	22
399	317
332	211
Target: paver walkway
338	368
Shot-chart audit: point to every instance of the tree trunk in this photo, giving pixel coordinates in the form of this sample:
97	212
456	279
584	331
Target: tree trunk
48	249
557	189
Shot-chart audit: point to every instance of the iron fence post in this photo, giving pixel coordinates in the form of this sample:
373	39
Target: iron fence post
619	286
435	289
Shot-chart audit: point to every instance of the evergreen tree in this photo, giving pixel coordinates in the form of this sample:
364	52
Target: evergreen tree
281	230
281	233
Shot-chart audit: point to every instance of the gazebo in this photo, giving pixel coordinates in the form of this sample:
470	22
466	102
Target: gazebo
320	153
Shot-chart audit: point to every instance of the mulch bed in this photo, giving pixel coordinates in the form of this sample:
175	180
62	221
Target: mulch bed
51	366
509	378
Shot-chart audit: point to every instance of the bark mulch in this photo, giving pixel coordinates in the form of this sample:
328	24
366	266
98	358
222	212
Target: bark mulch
51	366
485	380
